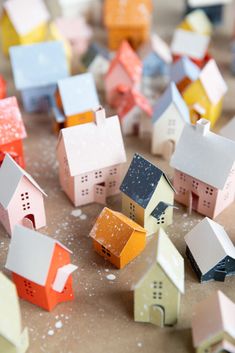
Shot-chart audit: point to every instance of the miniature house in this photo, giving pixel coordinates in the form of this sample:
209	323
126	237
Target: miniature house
208	237
228	130
208	91
117	238
147	195
124	71
12	338
127	20
38	86
183	72
207	190
12	131
73	8
41	268
75	100
94	50
3	88
91	158
197	21
99	68
170	114
213	324
21	198
158	292
135	114
20	26
191	44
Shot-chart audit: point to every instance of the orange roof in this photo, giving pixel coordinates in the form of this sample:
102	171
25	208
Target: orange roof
113	230
131	99
127	13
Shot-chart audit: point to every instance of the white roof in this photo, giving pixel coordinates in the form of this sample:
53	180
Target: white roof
10	176
228	130
30	254
204	149
199	21
26	15
161	48
209	237
196	3
190	44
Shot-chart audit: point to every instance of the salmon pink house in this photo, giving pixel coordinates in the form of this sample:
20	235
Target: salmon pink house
21	198
204	165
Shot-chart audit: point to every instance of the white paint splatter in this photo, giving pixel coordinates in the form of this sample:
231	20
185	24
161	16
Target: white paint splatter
139	344
83	217
50	332
111	277
76	213
59	324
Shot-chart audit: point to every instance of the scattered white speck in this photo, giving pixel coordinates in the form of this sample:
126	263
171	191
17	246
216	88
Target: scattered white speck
111	277
76	213
139	344
83	217
59	324
50	332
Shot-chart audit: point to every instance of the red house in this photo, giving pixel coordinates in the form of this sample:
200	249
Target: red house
12	131
3	88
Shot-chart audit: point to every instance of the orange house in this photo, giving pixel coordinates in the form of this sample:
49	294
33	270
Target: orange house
41	268
127	20
117	238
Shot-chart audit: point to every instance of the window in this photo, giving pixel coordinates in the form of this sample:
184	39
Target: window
112	184
98	174
28	288
161	219
182	177
25	199
25	196
171	122
99	191
84	178
85	192
157	290
113	171
206	204
132	211
209	191
195	184
105	251
182	191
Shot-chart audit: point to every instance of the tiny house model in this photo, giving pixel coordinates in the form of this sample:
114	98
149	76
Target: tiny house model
208	237
90	158
203	189
197	21
147	195
12	131
12	338
158	292
23	22
99	68
170	114
21	198
117	238
72	8
213	324
41	268
3	88
38	86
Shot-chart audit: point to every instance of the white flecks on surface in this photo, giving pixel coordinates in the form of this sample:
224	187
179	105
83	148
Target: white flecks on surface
111	277
76	213
83	217
59	324
50	332
139	344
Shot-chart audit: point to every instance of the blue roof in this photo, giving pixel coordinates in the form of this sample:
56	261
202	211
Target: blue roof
38	65
160	208
184	67
141	180
171	95
154	66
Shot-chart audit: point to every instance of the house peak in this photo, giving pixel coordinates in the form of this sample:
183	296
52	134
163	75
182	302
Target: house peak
203	126
100	116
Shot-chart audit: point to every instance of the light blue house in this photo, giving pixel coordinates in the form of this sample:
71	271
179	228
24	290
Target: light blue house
36	70
183	72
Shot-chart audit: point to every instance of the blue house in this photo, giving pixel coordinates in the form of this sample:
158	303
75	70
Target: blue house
183	72
36	70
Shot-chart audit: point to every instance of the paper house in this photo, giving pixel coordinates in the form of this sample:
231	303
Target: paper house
91	158
161	282
3	88
170	114
38	86
183	72
208	237
12	131
191	44
228	130
125	71
72	8
208	91
41	268
21	198
99	68
207	185
12	338
127	20
147	195
94	50
20	26
117	238
76	99
135	113
213	324
197	21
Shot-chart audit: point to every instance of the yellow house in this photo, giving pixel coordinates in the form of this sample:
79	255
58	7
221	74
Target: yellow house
23	22
206	92
197	21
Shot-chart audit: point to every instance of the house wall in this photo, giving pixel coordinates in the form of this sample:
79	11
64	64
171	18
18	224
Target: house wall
82	118
133	248
132	210
8	34
38	34
135	35
37	99
206	346
17	148
6	346
145	129
115	260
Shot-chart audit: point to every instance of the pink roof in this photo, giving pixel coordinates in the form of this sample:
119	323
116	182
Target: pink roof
11	124
73	28
213	315
132	99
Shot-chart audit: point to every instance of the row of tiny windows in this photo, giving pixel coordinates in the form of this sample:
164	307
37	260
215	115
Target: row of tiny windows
195	184
112	184
99	174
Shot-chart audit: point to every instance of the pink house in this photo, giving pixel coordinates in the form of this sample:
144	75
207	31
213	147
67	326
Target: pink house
21	198
204	165
90	159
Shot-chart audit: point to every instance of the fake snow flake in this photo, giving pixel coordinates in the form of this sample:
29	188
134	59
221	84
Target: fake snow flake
50	332
83	217
111	277
76	213
59	324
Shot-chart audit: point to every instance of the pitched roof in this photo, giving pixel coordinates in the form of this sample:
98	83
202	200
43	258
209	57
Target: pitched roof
212	316
199	21
157	46
30	254
49	59
132	99
228	130
78	94
141	180
26	15
205	148
209	237
182	68
113	230
10	176
190	44
170	96
11	123
93	146
128	59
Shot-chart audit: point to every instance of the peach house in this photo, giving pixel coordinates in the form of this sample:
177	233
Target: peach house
204	165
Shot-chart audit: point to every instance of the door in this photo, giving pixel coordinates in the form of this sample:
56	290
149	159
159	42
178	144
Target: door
168	149
157	315
29	221
100	193
193	202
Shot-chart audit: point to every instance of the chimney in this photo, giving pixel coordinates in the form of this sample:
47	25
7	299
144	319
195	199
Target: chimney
203	126
100	116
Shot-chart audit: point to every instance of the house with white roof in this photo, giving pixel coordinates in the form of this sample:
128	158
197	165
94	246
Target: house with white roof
197	21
